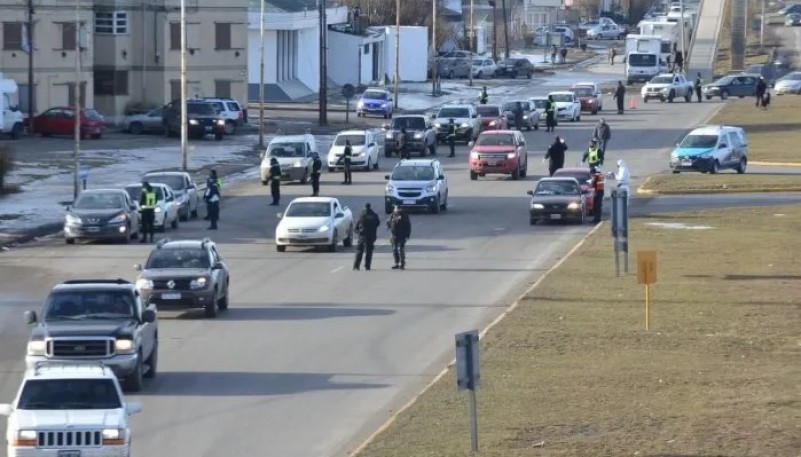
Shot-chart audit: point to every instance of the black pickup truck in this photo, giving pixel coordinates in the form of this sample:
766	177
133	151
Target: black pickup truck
420	135
100	320
202	119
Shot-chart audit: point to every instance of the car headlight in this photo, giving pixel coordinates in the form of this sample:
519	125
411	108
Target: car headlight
383	105
537	206
24	438
118	219
144	284
574	205
493	123
199	283
298	164
430	189
389	188
74	219
37	347
158	209
418	136
389	136
360	104
324	228
124	346
511	155
439	126
113	436
525	117
221	122
473	155
465	125
192	121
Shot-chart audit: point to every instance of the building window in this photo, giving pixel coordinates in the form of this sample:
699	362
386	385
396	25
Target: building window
175	89
111	22
111	82
222	35
12	36
71	94
222	88
175	36
67	35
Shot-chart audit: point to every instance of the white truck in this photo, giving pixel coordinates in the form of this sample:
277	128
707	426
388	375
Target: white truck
643	57
668	32
10	115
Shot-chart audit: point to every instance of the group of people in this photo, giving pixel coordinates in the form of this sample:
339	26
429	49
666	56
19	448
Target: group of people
400	228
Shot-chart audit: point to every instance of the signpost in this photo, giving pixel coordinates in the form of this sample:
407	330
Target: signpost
83	175
620	228
468	376
646	275
348	91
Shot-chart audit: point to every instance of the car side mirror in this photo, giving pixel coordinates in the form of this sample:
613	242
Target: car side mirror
475	115
530	192
386	177
339	216
279	215
133	407
5	409
441	177
371	145
148	316
724	145
471	144
217	266
137	267
30	317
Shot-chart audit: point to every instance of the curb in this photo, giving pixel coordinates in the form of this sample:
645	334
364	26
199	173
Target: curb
719	191
775	164
383	427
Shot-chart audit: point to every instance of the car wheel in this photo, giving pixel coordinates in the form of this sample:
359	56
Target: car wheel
473	176
708	97
136	128
524	170
174	223
334	243
230	127
375	165
528	75
369	165
222	303
152	362
645	100
69	240
687	97
532	220
444	204
435	207
432	148
742	166
578	118
387	208
133	383
305	176
676	171
348	242
724	95
280	248
211	308
218	136
516	173
671	96
715	167
184	217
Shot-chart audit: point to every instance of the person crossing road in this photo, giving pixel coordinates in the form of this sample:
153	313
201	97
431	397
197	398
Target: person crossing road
367	230
400	227
275	181
699	83
594	156
347	159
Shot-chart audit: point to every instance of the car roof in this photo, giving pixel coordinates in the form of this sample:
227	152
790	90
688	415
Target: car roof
714	129
353	132
558	179
69	370
101	191
456	105
539	97
573	170
498	132
561	92
416	162
152	184
167	173
93	284
585	83
403	116
313	200
299	137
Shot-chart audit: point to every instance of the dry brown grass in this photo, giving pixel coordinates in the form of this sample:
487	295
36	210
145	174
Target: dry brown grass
690	183
754	53
572	366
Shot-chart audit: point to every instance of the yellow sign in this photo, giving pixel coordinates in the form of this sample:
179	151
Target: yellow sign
646	267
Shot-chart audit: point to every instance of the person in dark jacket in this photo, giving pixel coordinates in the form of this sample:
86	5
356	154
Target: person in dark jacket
602	133
699	83
519	116
317	169
761	87
403	150
556	155
367	230
400	227
275	181
347	159
620	96
452	138
218	181
147	210
212	197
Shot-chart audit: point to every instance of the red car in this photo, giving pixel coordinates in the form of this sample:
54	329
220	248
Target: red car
583	176
499	152
590	100
61	121
492	117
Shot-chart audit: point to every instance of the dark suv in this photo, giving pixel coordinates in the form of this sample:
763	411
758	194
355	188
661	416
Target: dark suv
202	119
420	135
185	274
512	68
100	320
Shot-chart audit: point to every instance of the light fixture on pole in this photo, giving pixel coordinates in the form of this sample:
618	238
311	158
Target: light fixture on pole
184	132
76	149
397	52
261	77
472	37
494	30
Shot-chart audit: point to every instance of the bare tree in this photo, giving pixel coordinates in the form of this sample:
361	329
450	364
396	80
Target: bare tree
382	12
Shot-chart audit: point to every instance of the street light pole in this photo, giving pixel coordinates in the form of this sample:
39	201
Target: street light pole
261	77
505	29
184	132
494	30
762	26
76	150
31	85
397	52
434	64
683	33
472	36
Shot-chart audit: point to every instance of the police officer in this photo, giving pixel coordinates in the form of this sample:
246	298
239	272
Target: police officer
550	115
597	184
620	97
483	97
147	209
213	176
317	169
699	82
212	197
400	227
452	137
403	151
594	156
367	230
347	158
275	181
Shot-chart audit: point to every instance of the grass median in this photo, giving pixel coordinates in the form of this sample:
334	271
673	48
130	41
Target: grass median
572	373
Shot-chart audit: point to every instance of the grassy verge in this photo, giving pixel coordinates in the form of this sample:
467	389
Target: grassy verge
572	373
690	183
754	53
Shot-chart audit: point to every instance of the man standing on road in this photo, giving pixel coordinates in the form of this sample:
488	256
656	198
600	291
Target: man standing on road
699	83
400	227
367	229
761	87
556	155
483	97
218	181
212	197
620	96
402	152
598	193
593	156
347	158
603	133
147	210
550	115
452	137
519	116
317	169
275	181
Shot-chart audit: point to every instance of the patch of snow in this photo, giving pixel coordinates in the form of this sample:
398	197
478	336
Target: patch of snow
679	226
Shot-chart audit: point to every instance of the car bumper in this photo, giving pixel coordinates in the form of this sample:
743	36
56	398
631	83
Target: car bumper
651	95
564	114
694	164
104	451
484	167
197	130
787	90
423	201
590	107
93	130
555	215
289	174
96	233
121	364
355	162
178	299
411	146
304	239
643	78
371	110
462	134
497	126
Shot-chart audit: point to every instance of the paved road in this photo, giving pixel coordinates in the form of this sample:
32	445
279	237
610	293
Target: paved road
312	356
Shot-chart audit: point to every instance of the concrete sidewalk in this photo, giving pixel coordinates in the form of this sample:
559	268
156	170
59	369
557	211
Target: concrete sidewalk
704	46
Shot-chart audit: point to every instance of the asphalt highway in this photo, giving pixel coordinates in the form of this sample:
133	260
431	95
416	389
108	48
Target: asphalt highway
312	356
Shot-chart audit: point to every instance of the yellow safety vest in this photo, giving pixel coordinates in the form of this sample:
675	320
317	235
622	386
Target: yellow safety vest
219	185
592	156
150	200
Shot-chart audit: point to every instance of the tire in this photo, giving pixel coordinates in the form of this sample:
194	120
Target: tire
152	362
444	205
230	127
69	240
369	165
473	176
528	75
724	95
715	168
375	165
532	220
134	381
136	128
516	173
578	118
645	100
280	248
348	242
184	217
708	97
435	208
333	247
671	96
330	170
222	303
387	208
688	98
676	171
741	167
305	176
174	223
469	136
16	131
210	310
218	136
432	148
194	212
524	170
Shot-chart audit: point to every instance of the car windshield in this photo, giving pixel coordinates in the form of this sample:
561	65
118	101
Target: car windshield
454	112
699	142
754	69
408	123
309	209
662	80
413	173
642	60
557	188
511	106
540	103
135	192
581	176
792	77
489	111
89	305
99	201
495	140
356	139
562	98
178	258
54	394
724	81
375	95
294	149
583	92
92	114
175	182
203	109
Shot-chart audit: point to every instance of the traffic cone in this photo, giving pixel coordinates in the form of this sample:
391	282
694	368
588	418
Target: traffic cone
632	103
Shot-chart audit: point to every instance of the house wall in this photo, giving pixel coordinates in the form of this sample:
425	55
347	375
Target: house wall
413	41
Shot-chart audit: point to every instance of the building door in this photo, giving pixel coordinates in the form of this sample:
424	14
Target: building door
375	61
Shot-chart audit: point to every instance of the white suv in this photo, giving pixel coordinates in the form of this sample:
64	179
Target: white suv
418	184
73	409
230	110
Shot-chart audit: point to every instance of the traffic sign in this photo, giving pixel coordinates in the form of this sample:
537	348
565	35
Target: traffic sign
468	370
348	91
646	267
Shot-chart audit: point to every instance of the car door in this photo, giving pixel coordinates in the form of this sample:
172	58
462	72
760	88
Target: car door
522	149
131	211
170	209
146	330
339	222
65	124
219	275
735	148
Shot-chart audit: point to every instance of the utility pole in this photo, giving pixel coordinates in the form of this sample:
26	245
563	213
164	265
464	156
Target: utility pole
31	86
683	35
434	63
505	29
184	120
323	66
472	36
397	51
494	29
76	150
761	26
261	78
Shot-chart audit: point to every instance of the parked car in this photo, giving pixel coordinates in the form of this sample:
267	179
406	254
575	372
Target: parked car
530	117
421	136
499	152
667	87
792	20
791	9
606	32
483	68
60	120
315	221
417	184
202	119
230	110
149	122
294	154
512	68
590	100
102	214
466	118
166	207
367	147
737	86
187	197
595	22
567	105
709	149
375	101
456	68
557	199
584	178
492	117
767	71
789	84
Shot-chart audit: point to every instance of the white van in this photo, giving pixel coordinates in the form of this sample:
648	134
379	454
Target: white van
711	148
294	154
10	115
367	146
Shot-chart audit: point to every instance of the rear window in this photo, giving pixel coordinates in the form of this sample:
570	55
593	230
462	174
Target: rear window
489	111
201	108
233	106
61	394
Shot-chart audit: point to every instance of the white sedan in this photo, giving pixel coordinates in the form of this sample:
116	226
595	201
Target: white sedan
314	221
567	105
166	205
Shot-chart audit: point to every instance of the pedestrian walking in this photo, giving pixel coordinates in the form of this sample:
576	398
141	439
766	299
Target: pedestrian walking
452	137
212	197
594	156
553	54
597	183
317	169
483	97
699	83
400	227
620	96
367	230
147	211
761	87
603	133
556	155
612	54
275	181
766	100
563	54
550	115
347	159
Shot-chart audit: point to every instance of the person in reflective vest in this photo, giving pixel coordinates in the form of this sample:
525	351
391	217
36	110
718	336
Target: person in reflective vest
212	197
699	83
275	181
594	156
597	184
347	159
317	169
213	176
147	209
452	138
483	97
550	115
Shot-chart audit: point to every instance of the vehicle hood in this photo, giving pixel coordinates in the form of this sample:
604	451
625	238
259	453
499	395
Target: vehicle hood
337	151
96	328
409	130
586	98
554	199
563	104
788	83
413	184
283	161
657	86
495	149
692	152
373	101
101	216
303	222
61	419
456	120
165	273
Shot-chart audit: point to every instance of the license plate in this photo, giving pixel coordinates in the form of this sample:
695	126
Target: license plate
409	202
69	454
171	296
493	163
93	229
556	216
686	163
208	129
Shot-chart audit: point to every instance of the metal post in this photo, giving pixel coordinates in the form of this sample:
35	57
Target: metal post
184	126
434	64
762	26
472	37
261	77
647	307
359	70
397	52
505	29
616	230
323	69
473	421
31	85
624	206
76	150
683	34
494	30
143	78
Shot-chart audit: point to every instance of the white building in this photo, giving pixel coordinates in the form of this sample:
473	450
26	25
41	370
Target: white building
355	55
413	55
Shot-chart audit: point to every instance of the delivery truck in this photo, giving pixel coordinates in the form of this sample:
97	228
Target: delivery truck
643	58
10	115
